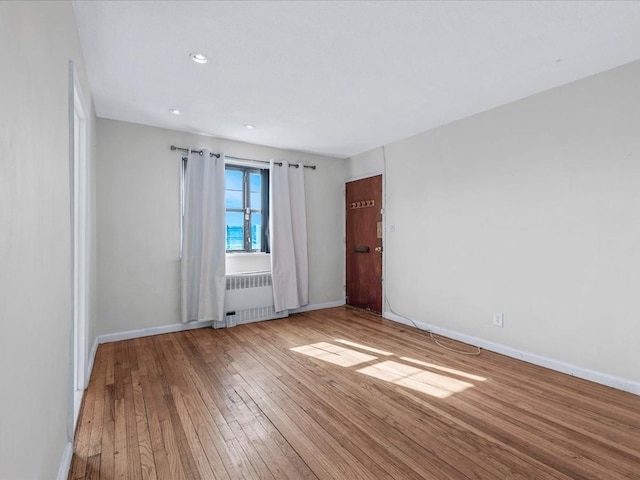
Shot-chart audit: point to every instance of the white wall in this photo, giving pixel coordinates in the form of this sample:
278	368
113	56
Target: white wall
138	222
531	209
365	164
38	39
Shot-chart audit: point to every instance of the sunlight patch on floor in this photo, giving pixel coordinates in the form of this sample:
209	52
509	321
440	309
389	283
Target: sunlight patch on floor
363	347
414	378
445	369
335	354
423	380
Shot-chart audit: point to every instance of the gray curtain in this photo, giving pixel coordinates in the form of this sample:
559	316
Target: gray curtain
203	247
288	226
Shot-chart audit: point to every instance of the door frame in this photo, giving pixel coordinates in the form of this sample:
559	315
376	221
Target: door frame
384	232
80	237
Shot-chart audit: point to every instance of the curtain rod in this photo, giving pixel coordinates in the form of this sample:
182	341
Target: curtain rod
217	155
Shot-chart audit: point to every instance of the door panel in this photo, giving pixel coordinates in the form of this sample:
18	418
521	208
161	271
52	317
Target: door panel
364	243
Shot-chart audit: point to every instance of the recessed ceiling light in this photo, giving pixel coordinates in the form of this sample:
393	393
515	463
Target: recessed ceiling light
175	111
249	126
198	57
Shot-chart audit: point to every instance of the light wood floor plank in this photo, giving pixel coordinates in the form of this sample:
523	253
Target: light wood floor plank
343	394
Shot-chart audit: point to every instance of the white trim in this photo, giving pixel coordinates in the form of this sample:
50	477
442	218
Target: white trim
366	175
247	254
317	306
259	164
147	332
405	321
92	358
65	462
384	227
79	186
67	455
81	234
557	365
79	208
179	327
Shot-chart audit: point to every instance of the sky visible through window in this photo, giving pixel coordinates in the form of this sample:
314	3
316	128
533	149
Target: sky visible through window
235	214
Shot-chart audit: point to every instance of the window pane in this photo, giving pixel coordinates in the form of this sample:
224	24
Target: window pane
255	187
235	231
256	231
233	189
233	199
233	179
256	201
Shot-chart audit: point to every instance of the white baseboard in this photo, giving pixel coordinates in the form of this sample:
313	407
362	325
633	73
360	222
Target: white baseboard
317	306
90	360
179	327
557	365
146	332
65	463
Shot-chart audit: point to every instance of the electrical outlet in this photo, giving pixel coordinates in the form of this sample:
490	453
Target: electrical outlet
498	319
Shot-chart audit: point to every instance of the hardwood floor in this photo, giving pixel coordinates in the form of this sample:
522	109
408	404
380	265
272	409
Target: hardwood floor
342	394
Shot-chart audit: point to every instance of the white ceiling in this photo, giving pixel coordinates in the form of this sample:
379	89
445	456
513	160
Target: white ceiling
339	78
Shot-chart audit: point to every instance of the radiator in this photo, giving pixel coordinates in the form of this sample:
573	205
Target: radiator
249	298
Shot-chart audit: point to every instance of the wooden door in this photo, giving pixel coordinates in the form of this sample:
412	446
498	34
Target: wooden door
364	243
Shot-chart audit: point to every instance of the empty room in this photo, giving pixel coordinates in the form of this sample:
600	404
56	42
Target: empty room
320	240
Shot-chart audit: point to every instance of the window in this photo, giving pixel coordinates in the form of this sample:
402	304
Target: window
246	208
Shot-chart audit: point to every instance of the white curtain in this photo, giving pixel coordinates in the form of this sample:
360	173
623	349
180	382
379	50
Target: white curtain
203	248
288	226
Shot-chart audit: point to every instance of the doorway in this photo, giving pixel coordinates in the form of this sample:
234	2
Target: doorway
364	231
80	238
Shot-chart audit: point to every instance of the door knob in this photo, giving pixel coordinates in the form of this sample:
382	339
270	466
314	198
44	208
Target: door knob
378	249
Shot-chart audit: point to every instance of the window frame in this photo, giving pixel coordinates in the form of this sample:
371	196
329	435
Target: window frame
246	204
247	209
